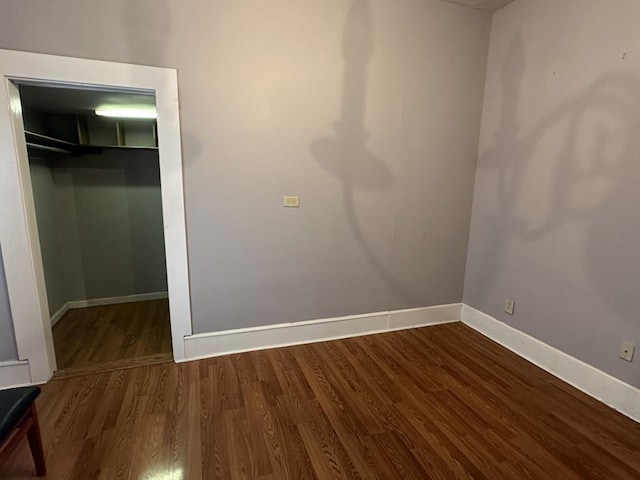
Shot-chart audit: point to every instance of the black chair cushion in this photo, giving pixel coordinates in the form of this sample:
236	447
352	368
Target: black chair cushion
13	404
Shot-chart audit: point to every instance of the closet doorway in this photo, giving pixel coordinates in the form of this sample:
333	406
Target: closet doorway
19	233
95	177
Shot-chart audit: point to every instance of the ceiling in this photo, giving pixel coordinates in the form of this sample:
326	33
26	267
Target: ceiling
77	101
486	5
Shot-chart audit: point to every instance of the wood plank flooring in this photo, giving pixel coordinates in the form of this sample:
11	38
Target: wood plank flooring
109	337
433	403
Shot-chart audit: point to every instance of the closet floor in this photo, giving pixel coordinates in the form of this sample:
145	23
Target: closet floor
111	337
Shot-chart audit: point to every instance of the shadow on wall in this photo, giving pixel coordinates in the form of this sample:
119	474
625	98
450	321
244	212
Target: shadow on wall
345	155
147	28
587	180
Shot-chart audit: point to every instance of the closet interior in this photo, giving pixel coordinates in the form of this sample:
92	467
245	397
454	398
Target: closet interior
95	175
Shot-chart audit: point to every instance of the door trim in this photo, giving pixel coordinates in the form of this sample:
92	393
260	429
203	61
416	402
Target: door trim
18	228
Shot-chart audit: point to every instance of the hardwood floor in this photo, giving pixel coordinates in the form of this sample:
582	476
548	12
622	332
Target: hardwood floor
109	337
439	402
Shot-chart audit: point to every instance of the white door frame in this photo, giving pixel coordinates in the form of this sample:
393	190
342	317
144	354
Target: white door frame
18	228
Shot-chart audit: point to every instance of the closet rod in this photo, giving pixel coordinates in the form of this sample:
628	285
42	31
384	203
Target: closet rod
48	149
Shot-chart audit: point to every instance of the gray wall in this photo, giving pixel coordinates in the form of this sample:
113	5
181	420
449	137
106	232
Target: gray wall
8	349
49	231
555	216
100	225
369	110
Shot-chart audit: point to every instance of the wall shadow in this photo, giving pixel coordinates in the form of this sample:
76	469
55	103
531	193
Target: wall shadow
345	155
589	187
147	28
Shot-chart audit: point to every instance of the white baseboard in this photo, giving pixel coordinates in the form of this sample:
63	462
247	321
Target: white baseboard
297	333
613	392
55	318
14	373
98	302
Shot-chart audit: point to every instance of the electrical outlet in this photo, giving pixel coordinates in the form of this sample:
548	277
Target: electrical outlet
291	201
509	306
626	351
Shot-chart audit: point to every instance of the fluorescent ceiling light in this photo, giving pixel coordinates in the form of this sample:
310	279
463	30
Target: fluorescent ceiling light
127	112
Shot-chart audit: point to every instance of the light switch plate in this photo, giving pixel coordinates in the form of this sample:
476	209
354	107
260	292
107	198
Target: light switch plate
291	201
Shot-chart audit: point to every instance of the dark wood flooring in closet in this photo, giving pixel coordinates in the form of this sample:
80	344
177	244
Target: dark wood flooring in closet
108	337
440	402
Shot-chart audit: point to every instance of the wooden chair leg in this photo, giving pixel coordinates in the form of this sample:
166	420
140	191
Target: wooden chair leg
35	443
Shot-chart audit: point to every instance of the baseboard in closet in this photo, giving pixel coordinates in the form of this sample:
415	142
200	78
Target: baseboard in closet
55	318
98	302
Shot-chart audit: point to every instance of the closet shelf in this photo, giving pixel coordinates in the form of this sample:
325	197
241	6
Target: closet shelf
124	147
43	142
